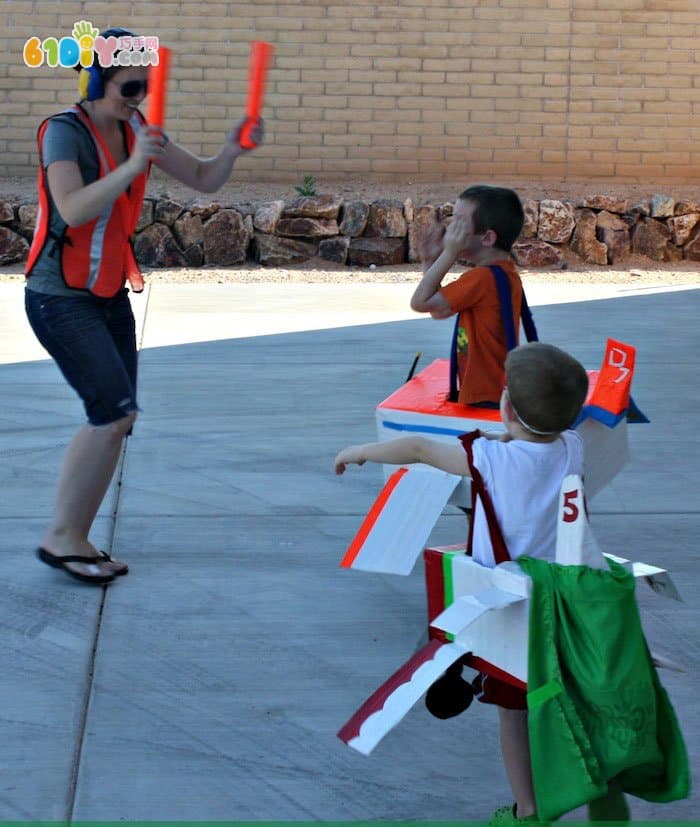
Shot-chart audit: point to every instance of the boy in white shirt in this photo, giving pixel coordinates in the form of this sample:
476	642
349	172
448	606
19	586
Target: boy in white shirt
518	475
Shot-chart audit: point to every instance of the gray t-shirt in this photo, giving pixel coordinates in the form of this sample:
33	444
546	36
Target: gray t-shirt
65	139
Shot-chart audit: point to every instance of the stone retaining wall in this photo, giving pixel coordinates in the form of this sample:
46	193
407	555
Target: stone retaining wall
599	229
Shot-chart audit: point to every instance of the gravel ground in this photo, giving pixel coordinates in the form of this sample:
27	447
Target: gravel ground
421	192
317	270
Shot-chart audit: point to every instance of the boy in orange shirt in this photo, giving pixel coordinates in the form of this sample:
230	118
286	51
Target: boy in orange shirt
485	223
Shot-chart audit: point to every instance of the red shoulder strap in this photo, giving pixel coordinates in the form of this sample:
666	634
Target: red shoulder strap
129	206
41	229
498	544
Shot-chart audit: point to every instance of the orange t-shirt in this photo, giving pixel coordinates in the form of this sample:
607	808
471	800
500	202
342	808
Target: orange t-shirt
481	342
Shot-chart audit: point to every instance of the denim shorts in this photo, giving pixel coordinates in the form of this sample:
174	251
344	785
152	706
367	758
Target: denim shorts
93	342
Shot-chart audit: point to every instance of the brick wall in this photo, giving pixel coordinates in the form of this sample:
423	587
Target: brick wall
404	89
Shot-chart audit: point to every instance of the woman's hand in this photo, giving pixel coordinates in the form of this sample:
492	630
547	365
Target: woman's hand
353	455
149	147
255	134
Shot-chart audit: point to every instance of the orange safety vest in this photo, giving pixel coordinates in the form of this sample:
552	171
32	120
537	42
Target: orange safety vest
97	256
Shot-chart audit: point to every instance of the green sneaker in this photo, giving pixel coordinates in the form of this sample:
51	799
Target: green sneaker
505	816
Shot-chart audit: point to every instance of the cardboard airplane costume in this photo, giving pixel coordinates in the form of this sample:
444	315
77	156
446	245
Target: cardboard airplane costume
478	615
422	407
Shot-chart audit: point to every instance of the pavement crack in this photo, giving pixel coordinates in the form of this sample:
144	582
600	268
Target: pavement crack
80	740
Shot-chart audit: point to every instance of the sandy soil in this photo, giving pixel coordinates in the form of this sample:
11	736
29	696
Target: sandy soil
650	274
421	192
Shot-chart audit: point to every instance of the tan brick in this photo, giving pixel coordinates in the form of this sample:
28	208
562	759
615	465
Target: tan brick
376	50
342	140
394	166
323	101
325	127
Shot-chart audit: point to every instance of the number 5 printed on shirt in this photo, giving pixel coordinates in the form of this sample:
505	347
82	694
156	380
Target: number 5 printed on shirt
576	545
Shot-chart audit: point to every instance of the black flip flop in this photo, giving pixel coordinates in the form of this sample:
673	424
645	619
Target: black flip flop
107	559
60	563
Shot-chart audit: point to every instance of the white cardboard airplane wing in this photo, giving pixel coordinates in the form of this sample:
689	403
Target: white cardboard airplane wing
386	707
479	612
397	526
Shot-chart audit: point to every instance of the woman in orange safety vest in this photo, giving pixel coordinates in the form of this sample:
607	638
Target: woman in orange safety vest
94	163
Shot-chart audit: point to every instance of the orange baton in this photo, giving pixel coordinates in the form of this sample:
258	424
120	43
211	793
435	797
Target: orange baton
260	53
158	88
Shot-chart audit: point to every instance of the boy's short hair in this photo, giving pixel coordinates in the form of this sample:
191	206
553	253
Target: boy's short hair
546	386
498	209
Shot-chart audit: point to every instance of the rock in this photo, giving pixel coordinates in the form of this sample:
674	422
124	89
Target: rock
662	206
682	226
614	232
424	221
686	207
168	211
674	253
408	210
226	238
194	255
386	219
610	221
531	208
156	247
584	242
248	224
691	250
279	252
267	216
189	230
7	214
246	208
334	249
313	206
13	247
651	239
536	253
146	215
556	222
640	209
445	211
605	202
365	251
204	209
27	217
307	227
354	218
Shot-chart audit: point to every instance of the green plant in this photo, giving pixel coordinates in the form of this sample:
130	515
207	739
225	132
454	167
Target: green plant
308	186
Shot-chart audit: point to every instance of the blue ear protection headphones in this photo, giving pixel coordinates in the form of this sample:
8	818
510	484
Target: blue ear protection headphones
91	80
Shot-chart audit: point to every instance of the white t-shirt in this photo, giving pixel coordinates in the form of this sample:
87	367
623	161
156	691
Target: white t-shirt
524	480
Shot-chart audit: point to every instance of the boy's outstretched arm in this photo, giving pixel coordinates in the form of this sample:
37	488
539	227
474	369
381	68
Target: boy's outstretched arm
404	451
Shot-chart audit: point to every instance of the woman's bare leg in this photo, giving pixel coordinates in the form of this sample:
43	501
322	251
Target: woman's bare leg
88	468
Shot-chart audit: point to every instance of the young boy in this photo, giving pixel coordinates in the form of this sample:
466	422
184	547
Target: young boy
521	471
485	223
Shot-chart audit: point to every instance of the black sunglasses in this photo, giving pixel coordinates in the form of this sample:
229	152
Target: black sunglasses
132	88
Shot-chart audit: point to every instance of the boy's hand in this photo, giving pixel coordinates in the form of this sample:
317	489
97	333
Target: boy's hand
457	237
351	455
430	245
